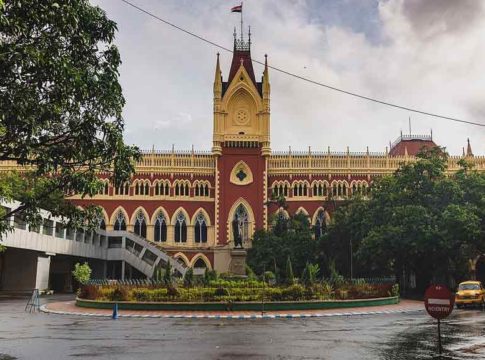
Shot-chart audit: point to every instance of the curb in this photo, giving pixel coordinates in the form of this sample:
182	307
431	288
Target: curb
44	309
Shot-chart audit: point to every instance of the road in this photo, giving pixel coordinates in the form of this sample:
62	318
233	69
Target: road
387	337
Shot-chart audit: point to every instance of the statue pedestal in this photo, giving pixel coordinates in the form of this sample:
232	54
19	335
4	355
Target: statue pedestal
238	261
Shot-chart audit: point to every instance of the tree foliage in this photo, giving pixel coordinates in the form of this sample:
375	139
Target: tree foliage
418	220
288	238
82	273
60	106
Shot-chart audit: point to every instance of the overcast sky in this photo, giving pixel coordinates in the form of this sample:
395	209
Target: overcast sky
427	54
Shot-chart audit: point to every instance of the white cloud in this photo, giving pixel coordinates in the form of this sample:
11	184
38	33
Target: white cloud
430	57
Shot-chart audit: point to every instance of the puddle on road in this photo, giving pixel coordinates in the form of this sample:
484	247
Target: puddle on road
7	357
462	338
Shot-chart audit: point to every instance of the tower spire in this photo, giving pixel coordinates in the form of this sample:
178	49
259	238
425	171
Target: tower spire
469	151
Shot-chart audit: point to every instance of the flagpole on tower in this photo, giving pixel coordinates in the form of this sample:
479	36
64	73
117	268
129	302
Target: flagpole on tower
241	22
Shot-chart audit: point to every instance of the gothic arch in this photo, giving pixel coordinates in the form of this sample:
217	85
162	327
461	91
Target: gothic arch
175	213
302	210
204	258
206	216
184	258
238	87
133	216
232	211
315	214
115	212
155	214
283	212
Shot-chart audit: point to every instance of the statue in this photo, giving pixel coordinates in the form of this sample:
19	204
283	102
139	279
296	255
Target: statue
237	233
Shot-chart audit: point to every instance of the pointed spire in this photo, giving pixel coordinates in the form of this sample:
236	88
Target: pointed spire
266	87
218	80
463	151
469	151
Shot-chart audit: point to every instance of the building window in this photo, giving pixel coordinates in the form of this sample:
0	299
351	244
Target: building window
123	189
182	189
320	224
120	222
240	225
140	225
200	229
319	189
200	264
180	228
300	189
162	188
160	228
102	224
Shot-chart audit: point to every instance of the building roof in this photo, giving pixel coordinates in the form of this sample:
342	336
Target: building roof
411	145
241	54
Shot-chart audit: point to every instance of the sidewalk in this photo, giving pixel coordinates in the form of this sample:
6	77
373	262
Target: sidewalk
69	308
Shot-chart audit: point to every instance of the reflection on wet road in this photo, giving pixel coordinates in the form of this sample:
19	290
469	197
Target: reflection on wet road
387	337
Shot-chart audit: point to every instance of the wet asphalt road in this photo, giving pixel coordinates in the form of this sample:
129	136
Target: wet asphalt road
393	336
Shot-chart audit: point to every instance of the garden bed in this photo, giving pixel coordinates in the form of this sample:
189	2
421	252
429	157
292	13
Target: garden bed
238	306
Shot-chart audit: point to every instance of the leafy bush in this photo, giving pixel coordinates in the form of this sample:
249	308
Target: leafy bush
120	293
293	292
172	291
395	290
220	291
89	292
189	277
290	278
82	273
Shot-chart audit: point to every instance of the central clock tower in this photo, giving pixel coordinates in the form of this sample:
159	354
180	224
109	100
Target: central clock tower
241	145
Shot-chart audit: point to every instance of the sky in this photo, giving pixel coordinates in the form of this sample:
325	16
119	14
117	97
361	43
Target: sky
424	54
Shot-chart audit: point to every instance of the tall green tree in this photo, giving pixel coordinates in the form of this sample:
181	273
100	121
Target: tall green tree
419	220
60	106
291	237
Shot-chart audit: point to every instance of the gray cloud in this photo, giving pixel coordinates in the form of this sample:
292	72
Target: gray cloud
431	18
167	76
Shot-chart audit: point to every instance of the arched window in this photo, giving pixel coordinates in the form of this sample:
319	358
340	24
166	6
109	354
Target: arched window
240	225
160	228
147	189
120	222
200	229
200	264
102	224
180	228
320	224
140	225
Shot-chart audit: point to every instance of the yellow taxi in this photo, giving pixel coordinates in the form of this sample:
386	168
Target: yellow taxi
470	293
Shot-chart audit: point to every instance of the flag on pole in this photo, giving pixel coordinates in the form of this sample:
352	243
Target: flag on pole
237	8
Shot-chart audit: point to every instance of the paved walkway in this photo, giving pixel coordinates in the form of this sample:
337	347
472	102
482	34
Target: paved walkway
69	308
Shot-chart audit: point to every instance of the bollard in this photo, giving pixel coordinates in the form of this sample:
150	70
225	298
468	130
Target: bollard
115	311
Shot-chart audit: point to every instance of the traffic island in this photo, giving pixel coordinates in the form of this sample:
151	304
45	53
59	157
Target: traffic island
238	306
70	308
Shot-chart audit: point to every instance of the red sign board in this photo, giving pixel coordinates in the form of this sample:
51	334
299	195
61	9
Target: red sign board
439	301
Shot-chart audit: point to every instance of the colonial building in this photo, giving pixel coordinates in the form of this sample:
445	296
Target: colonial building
198	205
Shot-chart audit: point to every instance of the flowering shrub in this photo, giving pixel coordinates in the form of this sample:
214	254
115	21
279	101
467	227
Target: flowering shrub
221	290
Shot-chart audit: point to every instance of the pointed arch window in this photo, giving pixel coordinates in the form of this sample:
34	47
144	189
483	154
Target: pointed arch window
200	264
200	229
180	235
160	228
240	225
140	225
120	222
320	224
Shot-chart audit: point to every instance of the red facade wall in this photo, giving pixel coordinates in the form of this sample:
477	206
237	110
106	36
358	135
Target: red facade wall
229	193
